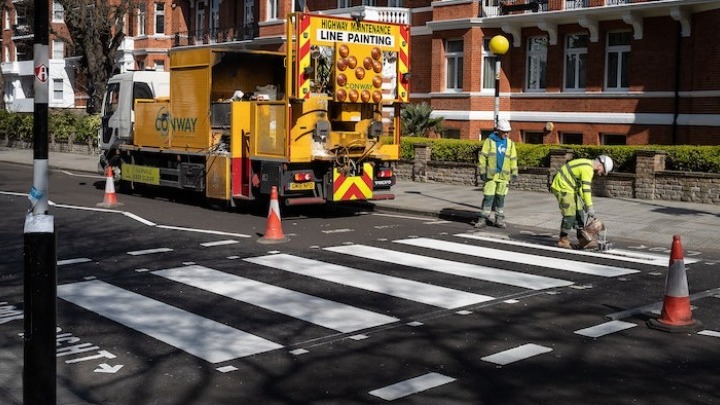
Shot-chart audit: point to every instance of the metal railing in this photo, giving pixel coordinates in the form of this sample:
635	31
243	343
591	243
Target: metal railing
215	36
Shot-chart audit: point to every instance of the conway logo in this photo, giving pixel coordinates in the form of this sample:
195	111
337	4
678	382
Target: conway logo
164	122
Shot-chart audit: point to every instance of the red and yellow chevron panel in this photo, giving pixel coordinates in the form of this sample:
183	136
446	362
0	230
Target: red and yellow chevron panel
403	93
303	56
348	188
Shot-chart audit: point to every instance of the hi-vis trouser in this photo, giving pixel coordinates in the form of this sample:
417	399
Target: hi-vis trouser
572	209
494	192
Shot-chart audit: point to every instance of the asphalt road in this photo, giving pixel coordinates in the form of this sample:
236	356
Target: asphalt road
163	301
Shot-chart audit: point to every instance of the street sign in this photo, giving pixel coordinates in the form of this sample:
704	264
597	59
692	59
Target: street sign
41	73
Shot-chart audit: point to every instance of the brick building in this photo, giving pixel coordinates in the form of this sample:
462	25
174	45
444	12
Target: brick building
576	72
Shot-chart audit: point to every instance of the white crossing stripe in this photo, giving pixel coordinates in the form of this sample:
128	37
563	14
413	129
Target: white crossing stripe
201	337
605	328
219	243
73	261
516	354
411	386
494	275
326	313
366	280
708	332
517	257
149	251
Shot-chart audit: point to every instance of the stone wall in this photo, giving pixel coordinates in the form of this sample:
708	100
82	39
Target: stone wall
649	182
79	148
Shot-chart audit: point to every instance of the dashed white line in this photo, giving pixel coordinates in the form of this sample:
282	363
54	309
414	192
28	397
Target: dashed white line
516	354
411	386
149	251
605	329
219	243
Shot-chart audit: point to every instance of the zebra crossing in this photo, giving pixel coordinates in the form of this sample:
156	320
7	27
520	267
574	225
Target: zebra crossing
201	336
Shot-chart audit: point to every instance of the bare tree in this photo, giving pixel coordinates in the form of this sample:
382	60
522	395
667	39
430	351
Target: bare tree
97	29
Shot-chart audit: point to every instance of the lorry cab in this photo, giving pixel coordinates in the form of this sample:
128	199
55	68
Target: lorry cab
118	108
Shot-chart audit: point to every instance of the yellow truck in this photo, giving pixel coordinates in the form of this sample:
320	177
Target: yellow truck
319	119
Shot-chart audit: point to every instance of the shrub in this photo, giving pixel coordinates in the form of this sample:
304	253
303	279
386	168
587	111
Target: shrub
417	121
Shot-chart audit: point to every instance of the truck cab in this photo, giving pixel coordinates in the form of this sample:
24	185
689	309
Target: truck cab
118	108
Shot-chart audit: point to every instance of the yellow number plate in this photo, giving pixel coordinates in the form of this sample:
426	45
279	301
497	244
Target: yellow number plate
302	186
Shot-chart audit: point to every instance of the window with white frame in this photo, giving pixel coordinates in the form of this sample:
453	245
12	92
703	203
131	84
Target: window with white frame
613	139
57	89
272	9
343	3
454	65
395	3
488	66
6	20
159	18
536	63
249	11
617	60
58	12
369	2
58	49
141	19
575	61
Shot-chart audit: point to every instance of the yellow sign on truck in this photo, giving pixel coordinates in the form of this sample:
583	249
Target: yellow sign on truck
320	119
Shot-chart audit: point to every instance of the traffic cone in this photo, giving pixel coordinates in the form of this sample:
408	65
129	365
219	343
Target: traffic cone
273	229
676	315
110	199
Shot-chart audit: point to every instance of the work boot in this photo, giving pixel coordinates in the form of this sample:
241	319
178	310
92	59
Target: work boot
564	243
500	222
482	222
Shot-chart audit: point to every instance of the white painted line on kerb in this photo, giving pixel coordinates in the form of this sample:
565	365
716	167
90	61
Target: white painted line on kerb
149	251
201	337
411	386
73	261
707	332
483	273
557	249
605	329
326	313
517	257
179	228
366	280
519	353
219	243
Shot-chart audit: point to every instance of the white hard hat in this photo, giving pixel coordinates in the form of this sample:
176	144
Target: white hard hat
607	163
503	125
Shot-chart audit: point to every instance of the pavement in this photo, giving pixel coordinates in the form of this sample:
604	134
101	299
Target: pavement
649	222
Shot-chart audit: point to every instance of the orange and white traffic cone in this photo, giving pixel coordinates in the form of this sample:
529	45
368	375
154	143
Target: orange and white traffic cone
676	315
273	229
110	199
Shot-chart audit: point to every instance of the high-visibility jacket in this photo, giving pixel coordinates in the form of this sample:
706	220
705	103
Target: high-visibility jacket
576	176
487	160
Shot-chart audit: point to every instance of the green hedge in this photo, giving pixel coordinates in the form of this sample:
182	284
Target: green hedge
64	125
679	157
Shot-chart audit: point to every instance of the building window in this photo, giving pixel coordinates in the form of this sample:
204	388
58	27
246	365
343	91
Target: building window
536	63
369	3
141	19
58	12
450	133
343	3
395	3
488	66
249	11
272	9
575	61
58	49
57	89
6	20
568	138
612	139
160	65
535	138
454	65
159	18
618	55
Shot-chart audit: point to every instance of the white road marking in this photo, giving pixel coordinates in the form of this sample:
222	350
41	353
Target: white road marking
517	257
516	354
208	231
400	216
73	261
707	332
219	243
632	258
149	251
326	313
605	329
139	219
201	337
337	230
226	369
490	274
366	280
411	386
